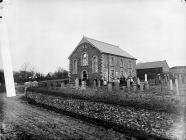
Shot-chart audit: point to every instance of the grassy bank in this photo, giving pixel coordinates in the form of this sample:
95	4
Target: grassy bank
154	102
142	122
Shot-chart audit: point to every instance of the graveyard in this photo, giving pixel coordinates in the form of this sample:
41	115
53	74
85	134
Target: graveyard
142	109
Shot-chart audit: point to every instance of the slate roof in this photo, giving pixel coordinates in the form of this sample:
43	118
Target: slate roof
155	64
178	69
106	47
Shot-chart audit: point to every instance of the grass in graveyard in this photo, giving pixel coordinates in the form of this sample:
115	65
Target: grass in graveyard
152	99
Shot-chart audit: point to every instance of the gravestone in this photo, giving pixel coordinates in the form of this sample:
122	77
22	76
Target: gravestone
171	86
134	87
128	84
83	86
99	83
138	81
62	85
94	83
124	88
116	84
141	87
109	87
180	79
146	85
77	83
177	89
105	82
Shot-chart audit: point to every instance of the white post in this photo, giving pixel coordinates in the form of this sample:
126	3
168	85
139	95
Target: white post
7	64
171	86
145	77
177	90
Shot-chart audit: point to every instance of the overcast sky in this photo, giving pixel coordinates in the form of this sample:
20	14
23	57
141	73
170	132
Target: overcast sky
45	32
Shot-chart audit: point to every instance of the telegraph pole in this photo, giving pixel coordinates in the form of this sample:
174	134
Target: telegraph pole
6	57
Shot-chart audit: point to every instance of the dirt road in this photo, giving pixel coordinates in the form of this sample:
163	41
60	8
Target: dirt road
18	119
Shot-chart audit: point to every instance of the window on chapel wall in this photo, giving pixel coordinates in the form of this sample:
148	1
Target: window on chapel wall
112	74
84	59
112	60
130	64
74	66
94	64
121	62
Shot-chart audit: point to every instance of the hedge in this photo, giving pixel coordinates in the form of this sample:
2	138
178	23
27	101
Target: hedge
168	104
141	121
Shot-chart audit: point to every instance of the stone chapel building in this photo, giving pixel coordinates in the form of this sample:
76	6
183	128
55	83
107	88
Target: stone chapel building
96	60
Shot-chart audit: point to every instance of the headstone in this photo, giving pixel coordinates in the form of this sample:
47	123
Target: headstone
138	81
134	87
124	88
171	86
176	83
105	82
166	78
117	85
77	83
146	85
99	83
109	87
141	87
145	77
83	85
180	79
62	85
128	84
94	83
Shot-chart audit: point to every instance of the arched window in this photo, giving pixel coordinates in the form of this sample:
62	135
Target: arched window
74	66
84	59
94	64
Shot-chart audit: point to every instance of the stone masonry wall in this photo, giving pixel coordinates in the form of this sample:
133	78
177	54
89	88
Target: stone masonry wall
91	51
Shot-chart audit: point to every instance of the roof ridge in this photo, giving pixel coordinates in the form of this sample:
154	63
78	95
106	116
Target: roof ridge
151	62
100	41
